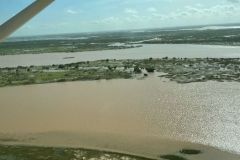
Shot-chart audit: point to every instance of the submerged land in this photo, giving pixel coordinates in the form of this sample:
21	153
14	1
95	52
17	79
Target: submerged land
180	70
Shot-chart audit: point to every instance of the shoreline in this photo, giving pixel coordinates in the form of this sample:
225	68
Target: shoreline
140	147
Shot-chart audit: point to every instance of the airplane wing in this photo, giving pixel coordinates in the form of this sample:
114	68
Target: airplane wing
22	17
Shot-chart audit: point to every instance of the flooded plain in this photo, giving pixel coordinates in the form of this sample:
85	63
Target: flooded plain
149	117
148	50
137	116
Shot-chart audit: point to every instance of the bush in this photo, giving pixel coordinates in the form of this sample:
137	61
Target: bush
61	80
110	68
172	157
165	58
150	69
61	66
190	151
137	70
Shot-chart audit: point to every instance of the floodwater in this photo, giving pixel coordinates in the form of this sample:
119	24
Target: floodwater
151	50
128	115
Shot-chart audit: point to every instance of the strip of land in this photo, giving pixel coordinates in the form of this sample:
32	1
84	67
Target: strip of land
39	153
180	70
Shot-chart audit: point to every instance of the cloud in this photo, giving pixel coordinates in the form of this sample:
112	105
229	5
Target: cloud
130	11
70	11
152	9
188	15
139	14
233	1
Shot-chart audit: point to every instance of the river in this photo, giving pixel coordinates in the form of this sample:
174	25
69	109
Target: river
148	117
205	113
151	50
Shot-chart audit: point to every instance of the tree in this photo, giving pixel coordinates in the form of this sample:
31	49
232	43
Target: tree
150	69
61	66
137	70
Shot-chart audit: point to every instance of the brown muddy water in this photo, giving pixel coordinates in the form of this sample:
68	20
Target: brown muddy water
136	116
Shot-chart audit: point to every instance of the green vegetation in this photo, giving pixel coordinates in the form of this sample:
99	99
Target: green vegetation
51	153
60	45
25	76
150	69
188	36
137	70
180	70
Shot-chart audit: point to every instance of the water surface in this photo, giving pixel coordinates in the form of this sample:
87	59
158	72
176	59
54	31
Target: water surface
151	50
207	113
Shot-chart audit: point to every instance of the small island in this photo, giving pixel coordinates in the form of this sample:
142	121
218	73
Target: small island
180	70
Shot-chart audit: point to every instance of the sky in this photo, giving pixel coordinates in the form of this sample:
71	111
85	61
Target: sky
75	16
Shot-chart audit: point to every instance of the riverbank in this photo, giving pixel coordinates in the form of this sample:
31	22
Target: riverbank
89	146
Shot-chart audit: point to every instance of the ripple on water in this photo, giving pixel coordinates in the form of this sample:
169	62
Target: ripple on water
206	113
